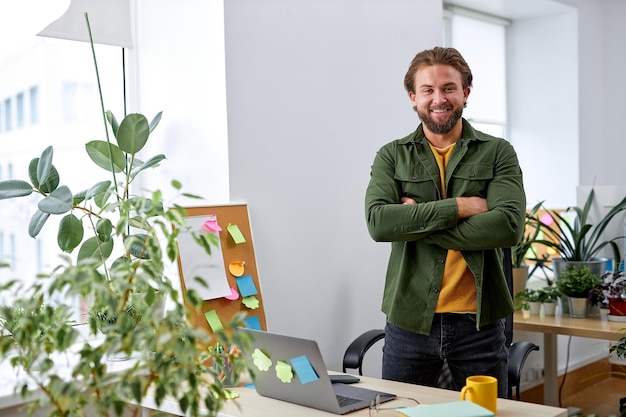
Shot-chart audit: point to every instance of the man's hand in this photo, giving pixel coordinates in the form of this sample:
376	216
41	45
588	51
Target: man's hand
407	200
469	206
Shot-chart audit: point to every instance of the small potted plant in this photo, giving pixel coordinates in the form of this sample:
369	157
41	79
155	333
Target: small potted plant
524	249
578	283
612	291
530	299
549	297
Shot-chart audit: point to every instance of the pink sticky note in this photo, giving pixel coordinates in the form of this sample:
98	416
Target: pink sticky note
233	294
211	225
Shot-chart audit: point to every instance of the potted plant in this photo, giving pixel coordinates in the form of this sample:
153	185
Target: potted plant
549	297
524	249
577	241
612	292
117	245
530	299
578	283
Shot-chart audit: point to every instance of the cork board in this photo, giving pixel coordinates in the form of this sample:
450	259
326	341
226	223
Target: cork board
221	309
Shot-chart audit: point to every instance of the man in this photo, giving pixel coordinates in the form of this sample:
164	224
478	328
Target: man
447	197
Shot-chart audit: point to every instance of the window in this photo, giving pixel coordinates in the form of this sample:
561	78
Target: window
19	110
485	53
7	115
34	105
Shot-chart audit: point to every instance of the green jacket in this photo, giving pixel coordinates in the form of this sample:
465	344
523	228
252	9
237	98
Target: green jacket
421	234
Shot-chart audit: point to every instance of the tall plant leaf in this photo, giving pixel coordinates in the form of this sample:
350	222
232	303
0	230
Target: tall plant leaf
44	165
57	202
98	151
133	133
70	234
37	222
14	188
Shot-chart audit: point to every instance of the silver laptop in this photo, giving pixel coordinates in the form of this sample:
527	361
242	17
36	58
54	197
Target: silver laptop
305	377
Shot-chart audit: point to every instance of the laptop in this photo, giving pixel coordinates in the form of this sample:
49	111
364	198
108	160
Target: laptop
304	378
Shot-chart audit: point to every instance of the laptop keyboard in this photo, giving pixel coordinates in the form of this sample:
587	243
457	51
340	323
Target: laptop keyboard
344	401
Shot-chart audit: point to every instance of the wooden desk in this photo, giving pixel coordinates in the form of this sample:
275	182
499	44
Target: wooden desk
596	327
250	403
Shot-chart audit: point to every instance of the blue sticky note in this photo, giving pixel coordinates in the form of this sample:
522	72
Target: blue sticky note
246	286
252	323
304	369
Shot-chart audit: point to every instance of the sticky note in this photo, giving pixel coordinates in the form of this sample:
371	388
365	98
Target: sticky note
211	225
236	234
252	322
233	294
246	285
304	369
213	320
251	302
236	268
261	360
284	371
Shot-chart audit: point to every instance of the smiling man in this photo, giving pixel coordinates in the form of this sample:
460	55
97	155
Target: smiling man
447	197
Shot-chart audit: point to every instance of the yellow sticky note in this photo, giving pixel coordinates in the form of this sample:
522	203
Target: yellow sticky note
236	234
213	320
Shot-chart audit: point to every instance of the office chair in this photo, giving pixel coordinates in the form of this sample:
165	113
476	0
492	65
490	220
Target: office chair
518	351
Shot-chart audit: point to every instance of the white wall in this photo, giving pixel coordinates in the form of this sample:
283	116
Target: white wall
314	89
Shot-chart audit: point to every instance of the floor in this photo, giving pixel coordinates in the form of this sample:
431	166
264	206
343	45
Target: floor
602	398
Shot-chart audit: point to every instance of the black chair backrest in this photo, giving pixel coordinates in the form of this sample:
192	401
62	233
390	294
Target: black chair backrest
507	263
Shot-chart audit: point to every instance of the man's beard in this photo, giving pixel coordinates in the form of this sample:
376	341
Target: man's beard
440	129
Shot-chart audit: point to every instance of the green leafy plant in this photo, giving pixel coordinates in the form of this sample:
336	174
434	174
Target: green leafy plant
549	294
117	246
524	248
577	239
578	281
528	295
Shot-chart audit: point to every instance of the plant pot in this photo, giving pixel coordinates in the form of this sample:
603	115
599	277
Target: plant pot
520	276
579	307
534	307
617	309
549	309
597	266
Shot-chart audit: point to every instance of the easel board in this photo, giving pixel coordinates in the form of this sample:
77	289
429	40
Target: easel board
221	309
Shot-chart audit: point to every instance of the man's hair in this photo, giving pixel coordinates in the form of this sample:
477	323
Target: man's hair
438	56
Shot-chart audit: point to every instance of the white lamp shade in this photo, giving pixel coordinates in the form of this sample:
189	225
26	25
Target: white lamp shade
109	21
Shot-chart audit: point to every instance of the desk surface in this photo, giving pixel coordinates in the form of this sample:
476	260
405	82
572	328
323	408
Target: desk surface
250	403
595	327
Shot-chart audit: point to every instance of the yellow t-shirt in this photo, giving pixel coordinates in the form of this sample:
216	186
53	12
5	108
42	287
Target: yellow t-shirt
458	286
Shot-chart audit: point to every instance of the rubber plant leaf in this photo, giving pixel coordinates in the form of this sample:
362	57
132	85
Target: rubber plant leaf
104	229
14	188
150	163
44	165
133	133
52	180
37	222
98	151
57	202
89	252
155	122
113	122
70	234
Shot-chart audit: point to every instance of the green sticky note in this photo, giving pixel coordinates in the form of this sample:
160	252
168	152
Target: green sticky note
261	360
284	371
213	320
251	302
236	234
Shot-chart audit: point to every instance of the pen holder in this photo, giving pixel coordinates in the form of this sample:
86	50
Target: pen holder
225	370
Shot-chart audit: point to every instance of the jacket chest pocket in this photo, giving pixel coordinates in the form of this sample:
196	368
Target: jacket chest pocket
471	180
417	184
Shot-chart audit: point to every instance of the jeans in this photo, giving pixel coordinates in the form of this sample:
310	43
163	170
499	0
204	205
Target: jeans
418	359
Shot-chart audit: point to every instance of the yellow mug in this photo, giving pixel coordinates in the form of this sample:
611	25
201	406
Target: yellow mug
481	390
